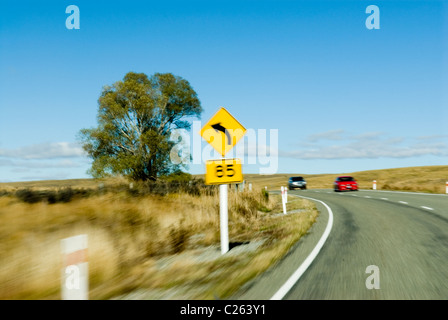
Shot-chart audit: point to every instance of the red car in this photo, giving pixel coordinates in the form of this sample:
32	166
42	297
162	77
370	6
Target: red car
345	183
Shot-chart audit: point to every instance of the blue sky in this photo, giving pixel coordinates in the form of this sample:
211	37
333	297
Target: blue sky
342	98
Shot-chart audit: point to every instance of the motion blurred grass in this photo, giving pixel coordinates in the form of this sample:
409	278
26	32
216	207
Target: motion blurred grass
160	246
163	244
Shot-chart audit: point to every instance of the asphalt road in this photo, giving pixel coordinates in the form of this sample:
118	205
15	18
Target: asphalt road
404	235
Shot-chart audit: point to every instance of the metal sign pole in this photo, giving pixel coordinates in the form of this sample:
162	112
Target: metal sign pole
223	216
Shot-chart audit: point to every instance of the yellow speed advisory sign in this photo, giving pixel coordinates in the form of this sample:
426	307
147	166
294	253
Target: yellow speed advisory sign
223	171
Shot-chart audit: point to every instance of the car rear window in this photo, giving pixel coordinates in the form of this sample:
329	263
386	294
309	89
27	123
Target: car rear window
346	179
297	179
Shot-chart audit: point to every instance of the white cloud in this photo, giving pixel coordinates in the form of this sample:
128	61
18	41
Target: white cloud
51	150
39	164
40	161
433	137
368	135
43	176
371	145
328	135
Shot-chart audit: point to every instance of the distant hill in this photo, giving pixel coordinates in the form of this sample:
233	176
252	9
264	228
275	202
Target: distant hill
50	184
420	179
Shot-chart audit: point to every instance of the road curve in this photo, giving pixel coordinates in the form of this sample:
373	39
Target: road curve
404	235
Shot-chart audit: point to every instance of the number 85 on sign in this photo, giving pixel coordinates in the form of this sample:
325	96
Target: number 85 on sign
223	171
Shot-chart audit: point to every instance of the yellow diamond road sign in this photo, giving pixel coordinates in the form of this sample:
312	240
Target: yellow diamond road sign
222	131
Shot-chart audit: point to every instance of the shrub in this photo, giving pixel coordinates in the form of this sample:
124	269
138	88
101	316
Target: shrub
194	187
4	193
30	196
65	195
265	195
50	196
178	176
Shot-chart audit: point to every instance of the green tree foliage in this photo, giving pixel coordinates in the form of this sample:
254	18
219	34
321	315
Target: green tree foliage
135	119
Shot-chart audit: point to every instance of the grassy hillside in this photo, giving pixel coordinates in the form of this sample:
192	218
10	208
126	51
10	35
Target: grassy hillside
419	179
50	184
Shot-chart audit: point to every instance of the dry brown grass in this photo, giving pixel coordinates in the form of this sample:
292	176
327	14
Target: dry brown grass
419	179
151	243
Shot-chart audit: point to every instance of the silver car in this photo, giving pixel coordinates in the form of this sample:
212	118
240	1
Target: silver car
296	182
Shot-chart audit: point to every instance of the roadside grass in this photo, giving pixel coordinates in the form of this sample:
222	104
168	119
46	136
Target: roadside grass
419	179
159	246
164	244
431	179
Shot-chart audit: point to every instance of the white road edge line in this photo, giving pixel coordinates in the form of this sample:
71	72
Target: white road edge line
284	289
405	192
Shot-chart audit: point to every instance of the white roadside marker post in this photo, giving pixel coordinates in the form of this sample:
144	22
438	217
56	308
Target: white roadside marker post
283	200
223	214
374	184
75	273
446	187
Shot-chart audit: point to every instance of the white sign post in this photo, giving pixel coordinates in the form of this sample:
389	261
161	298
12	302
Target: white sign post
223	217
75	273
374	184
447	187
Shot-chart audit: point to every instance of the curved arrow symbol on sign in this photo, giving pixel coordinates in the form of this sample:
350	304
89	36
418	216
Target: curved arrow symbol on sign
218	127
